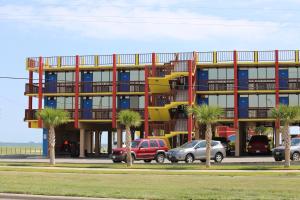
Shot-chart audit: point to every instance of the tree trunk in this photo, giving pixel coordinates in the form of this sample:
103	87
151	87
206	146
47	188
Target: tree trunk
128	147
208	135
52	145
287	143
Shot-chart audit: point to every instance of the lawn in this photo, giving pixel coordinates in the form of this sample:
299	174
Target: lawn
155	185
20	150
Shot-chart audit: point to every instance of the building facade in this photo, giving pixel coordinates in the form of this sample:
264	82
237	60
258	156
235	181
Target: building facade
93	89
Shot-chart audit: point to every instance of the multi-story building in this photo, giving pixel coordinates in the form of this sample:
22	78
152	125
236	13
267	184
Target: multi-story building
246	84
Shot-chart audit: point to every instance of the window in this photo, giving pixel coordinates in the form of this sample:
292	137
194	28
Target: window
292	72
106	76
253	73
262	101
96	102
212	74
253	101
230	74
222	73
61	77
214	143
144	144
222	101
202	144
293	100
230	101
161	143
70	77
134	102
153	143
270	73
134	75
60	104
270	100
213	100
141	102
142	75
262	73
97	76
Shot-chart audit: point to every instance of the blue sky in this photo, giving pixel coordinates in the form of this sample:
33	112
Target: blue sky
48	28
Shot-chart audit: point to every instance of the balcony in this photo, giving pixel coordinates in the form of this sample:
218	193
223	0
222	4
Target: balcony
85	87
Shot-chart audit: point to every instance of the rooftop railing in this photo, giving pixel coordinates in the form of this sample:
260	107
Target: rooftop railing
161	58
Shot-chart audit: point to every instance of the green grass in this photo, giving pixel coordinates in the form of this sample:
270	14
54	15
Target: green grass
20	150
178	166
153	186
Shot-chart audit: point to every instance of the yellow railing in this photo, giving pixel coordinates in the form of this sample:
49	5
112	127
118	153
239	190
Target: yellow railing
213	57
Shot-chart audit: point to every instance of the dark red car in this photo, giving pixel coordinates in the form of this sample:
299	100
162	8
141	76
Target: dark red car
143	149
259	144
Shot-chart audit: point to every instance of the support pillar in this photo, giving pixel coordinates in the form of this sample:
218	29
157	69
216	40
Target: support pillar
88	142
237	143
82	143
109	142
119	137
97	143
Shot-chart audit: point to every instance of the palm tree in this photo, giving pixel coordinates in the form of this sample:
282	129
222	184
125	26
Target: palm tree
51	119
208	115
286	115
129	119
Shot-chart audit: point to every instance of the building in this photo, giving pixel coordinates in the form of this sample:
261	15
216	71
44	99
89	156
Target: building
247	84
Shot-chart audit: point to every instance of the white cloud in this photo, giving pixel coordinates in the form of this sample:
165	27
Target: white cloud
145	21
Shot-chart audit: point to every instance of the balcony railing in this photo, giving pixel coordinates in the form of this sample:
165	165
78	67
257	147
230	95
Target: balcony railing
259	113
146	59
86	87
85	114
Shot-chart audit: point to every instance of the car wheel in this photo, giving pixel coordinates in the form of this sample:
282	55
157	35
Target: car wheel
189	158
132	159
174	161
116	161
160	158
147	161
296	156
218	157
203	160
278	159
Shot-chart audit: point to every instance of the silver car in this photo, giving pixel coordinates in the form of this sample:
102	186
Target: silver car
278	152
195	150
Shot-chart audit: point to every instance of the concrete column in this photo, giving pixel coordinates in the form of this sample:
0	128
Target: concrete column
88	142
92	141
109	142
119	137
97	146
82	143
237	143
100	142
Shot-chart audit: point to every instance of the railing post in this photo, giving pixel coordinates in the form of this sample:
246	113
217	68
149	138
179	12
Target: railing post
76	92
297	56
137	59
58	61
96	60
215	57
256	57
40	94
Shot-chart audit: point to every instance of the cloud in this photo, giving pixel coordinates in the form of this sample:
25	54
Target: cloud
135	20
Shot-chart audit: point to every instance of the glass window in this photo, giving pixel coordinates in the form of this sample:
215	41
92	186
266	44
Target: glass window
230	101
213	100
105	75
96	102
270	100
221	73
222	101
69	103
212	73
134	75
262	100
97	76
293	100
141	102
70	76
153	143
60	101
271	72
61	77
292	72
144	144
230	74
105	102
161	143
142	75
202	144
261	73
134	102
253	101
252	73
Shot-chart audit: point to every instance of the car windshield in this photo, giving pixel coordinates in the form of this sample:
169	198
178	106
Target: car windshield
189	144
259	138
135	144
295	142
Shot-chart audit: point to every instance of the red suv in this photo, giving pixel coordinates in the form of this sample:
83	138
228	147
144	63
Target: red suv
259	144
143	149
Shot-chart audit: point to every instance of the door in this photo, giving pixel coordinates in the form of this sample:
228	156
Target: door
202	100
142	152
153	148
284	100
51	82
243	79
50	102
283	79
200	150
124	78
243	107
87	104
87	81
124	103
202	77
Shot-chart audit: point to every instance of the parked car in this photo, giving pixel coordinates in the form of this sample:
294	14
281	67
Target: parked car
224	142
278	152
259	144
196	150
143	149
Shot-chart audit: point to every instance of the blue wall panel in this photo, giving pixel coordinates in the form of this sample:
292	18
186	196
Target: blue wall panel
124	79
202	80
283	79
243	79
243	107
45	142
87	106
284	100
50	82
87	79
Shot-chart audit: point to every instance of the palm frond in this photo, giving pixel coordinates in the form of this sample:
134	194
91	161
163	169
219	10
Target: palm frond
286	114
205	114
53	117
129	118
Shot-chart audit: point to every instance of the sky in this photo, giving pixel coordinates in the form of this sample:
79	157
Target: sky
54	27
